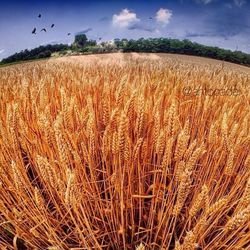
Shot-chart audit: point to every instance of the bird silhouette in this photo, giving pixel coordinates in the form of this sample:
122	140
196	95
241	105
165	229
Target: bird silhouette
43	30
69	34
39	16
100	38
150	18
34	31
52	25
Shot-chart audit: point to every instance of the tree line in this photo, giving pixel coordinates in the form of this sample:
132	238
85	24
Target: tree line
37	53
166	45
81	44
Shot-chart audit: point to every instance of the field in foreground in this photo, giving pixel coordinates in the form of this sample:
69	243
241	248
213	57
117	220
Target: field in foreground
125	151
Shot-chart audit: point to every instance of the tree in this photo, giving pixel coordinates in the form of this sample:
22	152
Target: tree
39	52
90	43
164	45
80	40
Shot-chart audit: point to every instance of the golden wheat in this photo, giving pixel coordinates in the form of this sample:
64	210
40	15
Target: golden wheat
102	153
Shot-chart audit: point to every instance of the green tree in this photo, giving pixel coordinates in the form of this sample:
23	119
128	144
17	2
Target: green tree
80	40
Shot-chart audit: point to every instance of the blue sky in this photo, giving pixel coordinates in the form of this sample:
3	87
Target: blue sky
223	23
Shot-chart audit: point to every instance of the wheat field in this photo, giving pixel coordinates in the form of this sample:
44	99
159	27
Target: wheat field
110	152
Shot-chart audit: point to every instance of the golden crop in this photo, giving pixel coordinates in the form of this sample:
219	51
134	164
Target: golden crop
102	153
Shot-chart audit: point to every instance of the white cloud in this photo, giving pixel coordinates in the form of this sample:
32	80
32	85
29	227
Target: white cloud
125	18
239	3
1	51
163	16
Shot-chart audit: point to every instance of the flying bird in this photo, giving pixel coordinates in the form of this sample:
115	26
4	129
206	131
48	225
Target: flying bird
43	30
69	34
52	25
100	38
34	31
150	18
39	16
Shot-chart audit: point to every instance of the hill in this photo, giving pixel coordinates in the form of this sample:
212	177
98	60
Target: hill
151	45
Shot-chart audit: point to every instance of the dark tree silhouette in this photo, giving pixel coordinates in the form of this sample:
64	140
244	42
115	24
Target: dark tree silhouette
166	45
39	52
80	40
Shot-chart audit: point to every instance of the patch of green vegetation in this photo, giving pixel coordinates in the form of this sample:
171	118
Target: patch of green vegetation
37	53
20	62
166	45
82	45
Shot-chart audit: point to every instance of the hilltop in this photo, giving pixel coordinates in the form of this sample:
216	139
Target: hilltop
82	45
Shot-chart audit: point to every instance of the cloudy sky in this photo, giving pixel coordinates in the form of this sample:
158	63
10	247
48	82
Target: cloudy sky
223	23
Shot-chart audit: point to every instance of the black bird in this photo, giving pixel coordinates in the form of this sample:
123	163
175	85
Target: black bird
52	25
34	31
150	18
43	30
69	34
100	38
39	16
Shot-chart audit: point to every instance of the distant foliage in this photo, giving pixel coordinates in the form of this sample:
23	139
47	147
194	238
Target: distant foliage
166	45
80	40
37	53
81	44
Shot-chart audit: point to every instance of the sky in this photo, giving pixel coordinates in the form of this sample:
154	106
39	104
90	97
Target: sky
222	23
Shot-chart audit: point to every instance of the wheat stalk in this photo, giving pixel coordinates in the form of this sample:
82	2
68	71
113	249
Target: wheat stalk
107	152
